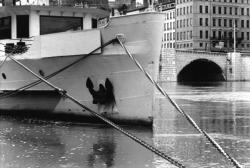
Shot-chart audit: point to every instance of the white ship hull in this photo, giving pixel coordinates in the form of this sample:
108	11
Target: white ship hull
133	93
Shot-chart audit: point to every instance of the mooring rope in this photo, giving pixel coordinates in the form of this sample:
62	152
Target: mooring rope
133	137
2	63
164	93
30	85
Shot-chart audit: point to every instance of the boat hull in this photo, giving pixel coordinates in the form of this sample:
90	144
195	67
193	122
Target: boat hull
133	93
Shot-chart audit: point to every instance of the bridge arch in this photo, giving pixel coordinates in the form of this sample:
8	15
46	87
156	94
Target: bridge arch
201	70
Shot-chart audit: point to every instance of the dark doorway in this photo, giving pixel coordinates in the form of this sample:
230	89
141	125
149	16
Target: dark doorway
201	70
22	26
5	27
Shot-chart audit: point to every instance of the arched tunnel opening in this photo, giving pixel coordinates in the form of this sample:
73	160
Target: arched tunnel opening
201	70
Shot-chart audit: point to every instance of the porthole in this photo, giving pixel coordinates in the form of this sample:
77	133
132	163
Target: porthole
41	73
4	76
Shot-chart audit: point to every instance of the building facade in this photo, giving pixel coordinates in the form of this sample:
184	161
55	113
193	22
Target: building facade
208	25
168	7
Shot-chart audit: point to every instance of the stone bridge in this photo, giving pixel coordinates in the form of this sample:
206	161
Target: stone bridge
183	66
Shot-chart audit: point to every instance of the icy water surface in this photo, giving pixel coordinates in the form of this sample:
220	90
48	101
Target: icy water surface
223	110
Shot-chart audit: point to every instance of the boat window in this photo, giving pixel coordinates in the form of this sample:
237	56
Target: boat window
54	24
5	27
22	23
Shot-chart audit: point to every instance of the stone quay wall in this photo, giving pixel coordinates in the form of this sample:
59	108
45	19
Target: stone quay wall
235	66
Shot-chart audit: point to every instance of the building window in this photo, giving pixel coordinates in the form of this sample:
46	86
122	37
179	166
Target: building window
206	9
219	22
191	9
247	11
214	34
230	23
230	10
219	10
247	35
187	9
242	11
206	34
200	8
200	21
206	22
225	34
235	11
242	35
247	23
214	10
225	10
219	34
214	22
242	23
191	36
201	34
225	22
230	34
236	23
201	44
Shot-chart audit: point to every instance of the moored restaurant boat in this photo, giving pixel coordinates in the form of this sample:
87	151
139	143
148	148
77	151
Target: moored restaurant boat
47	39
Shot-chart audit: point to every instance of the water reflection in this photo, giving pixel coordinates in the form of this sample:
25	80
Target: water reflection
103	150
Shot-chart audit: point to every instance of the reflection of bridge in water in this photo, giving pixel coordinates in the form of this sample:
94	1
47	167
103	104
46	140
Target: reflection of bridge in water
197	66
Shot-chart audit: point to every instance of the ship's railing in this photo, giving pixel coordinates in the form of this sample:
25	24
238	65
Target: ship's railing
56	3
79	5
